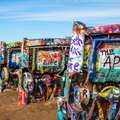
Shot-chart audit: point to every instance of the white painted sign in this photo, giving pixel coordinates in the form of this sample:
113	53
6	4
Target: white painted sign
109	58
76	53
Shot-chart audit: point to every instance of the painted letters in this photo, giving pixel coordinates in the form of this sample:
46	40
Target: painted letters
108	63
76	53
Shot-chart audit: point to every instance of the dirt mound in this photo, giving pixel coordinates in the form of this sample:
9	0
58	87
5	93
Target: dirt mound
10	110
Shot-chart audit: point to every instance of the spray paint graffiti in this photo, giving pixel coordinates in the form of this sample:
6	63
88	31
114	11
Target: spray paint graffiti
24	59
76	53
114	28
107	62
15	57
13	44
1	53
49	59
18	60
110	59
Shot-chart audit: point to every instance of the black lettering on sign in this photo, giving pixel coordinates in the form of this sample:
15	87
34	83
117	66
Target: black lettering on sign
116	60
110	63
107	52
107	61
104	52
111	51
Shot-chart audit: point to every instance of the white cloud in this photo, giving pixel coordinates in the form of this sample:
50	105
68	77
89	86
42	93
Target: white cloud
23	7
63	15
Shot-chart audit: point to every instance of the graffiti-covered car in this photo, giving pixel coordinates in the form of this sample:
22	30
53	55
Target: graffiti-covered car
3	68
2	49
105	62
11	61
47	57
13	53
96	94
48	61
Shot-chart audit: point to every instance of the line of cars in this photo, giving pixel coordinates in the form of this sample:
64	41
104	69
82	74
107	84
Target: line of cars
39	57
44	58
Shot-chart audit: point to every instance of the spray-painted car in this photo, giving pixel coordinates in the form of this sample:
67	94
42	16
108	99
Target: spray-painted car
104	70
3	68
97	94
2	48
47	57
12	62
106	59
40	57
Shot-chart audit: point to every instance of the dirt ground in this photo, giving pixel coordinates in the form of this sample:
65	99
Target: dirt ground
10	110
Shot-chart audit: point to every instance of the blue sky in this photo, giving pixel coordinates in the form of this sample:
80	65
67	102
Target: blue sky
53	18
